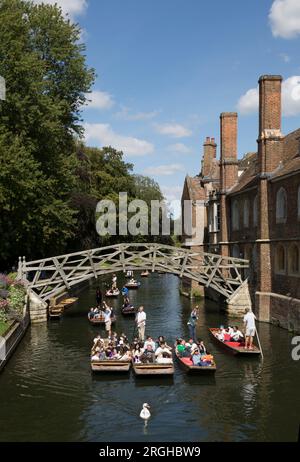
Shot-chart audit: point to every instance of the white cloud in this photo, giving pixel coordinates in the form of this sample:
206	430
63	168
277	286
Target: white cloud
164	170
172	193
105	136
248	102
284	18
175	130
179	147
126	114
71	7
99	100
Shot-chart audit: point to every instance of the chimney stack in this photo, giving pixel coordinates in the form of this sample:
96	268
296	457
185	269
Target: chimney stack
270	136
210	153
229	161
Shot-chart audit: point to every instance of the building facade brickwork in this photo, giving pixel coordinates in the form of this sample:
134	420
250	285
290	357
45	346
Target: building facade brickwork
257	202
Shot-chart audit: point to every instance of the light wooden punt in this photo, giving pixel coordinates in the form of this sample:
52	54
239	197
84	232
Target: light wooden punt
153	369
100	320
110	366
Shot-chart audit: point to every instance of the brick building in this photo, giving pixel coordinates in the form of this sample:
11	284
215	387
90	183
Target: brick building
251	206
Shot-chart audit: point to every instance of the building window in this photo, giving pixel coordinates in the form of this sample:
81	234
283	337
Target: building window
281	206
280	259
235	215
294	263
246	214
236	251
255	202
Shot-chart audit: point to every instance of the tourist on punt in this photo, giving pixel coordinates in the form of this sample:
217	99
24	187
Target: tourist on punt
202	347
97	340
191	345
250	328
161	339
163	354
237	335
192	323
137	352
148	356
141	323
182	350
150	341
99	297
220	334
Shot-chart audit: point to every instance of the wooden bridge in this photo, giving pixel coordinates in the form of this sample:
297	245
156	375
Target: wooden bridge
49	276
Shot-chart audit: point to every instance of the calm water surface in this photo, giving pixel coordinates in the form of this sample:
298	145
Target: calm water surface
47	392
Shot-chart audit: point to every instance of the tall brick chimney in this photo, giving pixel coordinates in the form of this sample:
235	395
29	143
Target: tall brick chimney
210	153
269	136
229	162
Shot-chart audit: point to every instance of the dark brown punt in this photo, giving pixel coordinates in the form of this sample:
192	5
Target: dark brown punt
110	366
128	311
101	320
191	369
153	369
235	349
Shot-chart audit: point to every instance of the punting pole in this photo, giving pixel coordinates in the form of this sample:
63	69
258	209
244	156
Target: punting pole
257	336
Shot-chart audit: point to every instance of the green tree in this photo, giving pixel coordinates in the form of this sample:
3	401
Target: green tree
47	79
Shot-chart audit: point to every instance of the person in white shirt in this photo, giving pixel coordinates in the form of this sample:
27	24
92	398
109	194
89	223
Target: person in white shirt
163	354
150	341
114	282
237	335
250	328
107	320
141	323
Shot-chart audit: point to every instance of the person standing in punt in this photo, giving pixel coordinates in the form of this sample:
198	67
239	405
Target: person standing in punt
250	328
141	323
192	323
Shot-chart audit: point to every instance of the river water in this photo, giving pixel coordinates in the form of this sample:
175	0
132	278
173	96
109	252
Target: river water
48	393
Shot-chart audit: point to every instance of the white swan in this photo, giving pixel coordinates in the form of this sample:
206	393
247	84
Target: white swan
145	413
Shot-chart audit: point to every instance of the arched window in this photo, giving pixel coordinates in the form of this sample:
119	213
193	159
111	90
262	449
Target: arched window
246	214
235	215
298	203
255	207
280	259
294	257
281	206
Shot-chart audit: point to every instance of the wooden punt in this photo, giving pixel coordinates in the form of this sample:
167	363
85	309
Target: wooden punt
153	369
110	366
189	367
67	302
100	320
145	274
110	294
56	312
129	310
132	285
237	348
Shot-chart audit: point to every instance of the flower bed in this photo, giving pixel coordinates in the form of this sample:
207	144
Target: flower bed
12	293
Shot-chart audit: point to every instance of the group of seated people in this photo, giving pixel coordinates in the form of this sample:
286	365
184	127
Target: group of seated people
151	351
100	312
230	334
196	352
118	348
115	347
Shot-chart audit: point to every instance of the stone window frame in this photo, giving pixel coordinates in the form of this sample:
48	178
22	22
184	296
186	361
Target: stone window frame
255	211
281	207
246	213
278	269
235	215
291	254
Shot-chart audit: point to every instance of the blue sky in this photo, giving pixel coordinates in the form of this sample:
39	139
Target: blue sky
167	68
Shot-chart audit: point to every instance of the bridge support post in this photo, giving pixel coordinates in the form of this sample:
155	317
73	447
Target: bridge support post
38	310
239	301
